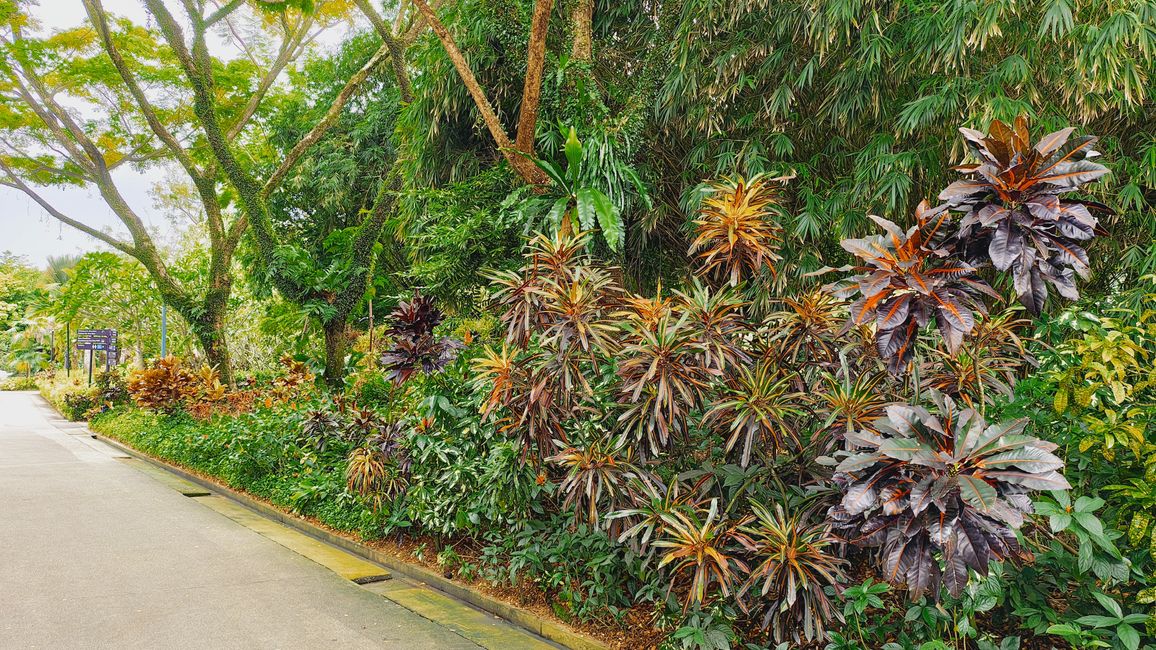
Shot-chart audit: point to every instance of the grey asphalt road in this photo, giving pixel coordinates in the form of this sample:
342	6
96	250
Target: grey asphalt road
94	554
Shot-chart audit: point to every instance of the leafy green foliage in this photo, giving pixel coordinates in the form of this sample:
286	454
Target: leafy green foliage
576	206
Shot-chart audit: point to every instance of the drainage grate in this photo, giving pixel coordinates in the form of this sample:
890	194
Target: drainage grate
365	580
192	494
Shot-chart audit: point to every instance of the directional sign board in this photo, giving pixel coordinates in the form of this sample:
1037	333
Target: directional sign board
100	340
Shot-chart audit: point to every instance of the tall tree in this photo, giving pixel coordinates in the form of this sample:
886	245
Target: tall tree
187	42
88	101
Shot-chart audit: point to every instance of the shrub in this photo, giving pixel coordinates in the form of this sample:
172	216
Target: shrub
415	348
19	383
165	385
943	485
1014	216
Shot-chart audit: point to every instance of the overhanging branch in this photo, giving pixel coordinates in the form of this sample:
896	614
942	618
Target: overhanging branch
322	127
14	181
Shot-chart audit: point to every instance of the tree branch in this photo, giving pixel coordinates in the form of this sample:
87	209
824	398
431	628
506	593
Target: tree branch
322	127
396	50
532	85
527	170
221	13
14	181
99	19
287	53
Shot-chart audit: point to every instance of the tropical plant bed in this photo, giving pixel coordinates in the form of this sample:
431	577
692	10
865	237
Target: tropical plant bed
738	464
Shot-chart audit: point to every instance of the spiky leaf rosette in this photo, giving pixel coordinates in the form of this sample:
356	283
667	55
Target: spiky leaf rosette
1014	215
735	237
415	317
945	485
794	565
905	281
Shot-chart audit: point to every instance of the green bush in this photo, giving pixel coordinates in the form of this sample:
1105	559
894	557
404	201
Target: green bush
18	383
257	452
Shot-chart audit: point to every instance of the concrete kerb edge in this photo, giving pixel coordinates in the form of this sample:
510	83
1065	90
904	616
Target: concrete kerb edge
522	618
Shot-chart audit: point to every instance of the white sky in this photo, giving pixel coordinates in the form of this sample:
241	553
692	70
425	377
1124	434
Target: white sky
26	229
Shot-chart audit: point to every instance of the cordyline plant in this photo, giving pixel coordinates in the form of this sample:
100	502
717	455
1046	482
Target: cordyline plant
558	313
663	380
378	469
1014	215
906	280
735	235
795	564
415	347
698	545
940	487
598	476
756	408
806	329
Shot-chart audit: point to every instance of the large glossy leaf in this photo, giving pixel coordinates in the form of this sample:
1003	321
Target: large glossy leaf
557	213
1006	245
1031	459
573	151
857	462
1070	176
1053	141
554	172
859	498
905	449
1042	481
976	492
587	209
609	221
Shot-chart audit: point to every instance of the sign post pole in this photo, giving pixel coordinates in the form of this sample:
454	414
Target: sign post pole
90	353
68	349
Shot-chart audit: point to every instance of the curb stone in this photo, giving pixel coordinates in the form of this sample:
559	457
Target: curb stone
522	618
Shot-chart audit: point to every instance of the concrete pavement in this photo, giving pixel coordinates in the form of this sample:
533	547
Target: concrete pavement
96	554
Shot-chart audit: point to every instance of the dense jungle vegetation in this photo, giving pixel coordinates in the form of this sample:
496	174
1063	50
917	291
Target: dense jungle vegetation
759	324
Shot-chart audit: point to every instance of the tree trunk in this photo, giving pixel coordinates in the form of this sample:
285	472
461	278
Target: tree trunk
335	344
583	31
528	171
210	332
532	85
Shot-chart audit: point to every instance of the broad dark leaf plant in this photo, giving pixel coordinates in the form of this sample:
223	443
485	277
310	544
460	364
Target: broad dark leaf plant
943	487
415	346
1013	213
907	279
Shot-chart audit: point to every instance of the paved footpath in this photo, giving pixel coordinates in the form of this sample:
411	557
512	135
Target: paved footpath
96	553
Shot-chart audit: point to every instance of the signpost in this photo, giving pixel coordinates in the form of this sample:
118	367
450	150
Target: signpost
94	341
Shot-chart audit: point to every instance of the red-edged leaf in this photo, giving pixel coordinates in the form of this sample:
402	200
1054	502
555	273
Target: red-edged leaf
976	492
892	313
